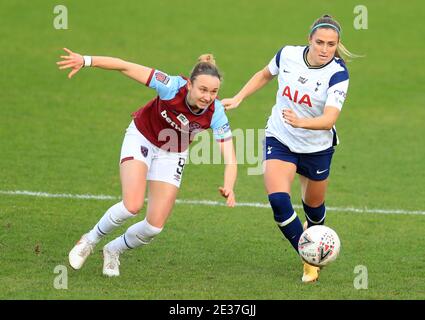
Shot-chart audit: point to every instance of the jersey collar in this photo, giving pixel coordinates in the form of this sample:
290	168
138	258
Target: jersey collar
195	113
309	65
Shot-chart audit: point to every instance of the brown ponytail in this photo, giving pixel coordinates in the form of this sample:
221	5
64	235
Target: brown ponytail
205	65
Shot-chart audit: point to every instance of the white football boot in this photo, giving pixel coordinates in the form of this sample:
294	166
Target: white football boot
78	255
111	262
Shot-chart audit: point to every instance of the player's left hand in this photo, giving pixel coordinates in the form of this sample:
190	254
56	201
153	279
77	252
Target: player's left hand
291	118
229	195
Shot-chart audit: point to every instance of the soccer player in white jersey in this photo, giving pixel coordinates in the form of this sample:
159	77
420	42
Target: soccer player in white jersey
300	133
155	150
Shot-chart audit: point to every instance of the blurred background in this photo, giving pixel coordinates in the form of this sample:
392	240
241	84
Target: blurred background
63	136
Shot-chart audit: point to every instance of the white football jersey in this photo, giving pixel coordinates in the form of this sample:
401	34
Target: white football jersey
306	90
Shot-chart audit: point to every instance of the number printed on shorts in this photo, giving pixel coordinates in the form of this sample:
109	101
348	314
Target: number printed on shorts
179	170
180	165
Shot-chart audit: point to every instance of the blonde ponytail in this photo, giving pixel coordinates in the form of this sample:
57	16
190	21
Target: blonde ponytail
345	54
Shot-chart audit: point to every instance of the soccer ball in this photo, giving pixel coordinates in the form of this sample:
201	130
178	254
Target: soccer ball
319	245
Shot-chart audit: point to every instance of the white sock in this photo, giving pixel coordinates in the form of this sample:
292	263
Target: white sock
112	219
138	234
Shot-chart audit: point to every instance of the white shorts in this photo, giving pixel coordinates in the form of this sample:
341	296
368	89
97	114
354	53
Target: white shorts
162	165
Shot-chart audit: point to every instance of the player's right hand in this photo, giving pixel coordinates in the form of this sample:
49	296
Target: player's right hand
230	103
72	60
229	194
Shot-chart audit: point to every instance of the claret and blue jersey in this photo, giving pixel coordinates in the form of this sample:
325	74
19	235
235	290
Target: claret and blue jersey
168	122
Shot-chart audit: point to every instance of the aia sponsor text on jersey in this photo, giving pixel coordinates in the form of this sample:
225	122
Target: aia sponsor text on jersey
305	99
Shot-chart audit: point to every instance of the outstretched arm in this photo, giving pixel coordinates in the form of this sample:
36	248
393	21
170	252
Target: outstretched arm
230	171
258	80
75	61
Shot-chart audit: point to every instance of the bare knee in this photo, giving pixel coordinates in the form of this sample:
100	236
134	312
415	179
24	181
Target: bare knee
313	203
313	199
133	206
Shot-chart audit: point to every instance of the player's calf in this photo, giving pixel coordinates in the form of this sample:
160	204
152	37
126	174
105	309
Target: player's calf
285	217
315	216
112	219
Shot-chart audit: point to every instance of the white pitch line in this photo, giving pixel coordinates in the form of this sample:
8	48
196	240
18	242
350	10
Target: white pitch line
203	202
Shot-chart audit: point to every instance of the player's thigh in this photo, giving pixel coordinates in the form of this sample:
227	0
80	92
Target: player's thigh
133	183
161	198
135	160
313	192
278	176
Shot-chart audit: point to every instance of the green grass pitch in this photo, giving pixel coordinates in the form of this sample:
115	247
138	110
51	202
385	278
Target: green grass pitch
63	136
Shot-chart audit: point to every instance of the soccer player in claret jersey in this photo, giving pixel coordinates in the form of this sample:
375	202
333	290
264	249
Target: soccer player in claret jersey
155	149
300	133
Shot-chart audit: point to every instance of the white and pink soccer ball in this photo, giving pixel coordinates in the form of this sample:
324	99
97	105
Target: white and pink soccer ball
319	245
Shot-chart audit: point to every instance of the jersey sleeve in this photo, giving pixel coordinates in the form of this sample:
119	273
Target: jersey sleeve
337	91
220	124
274	63
166	86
